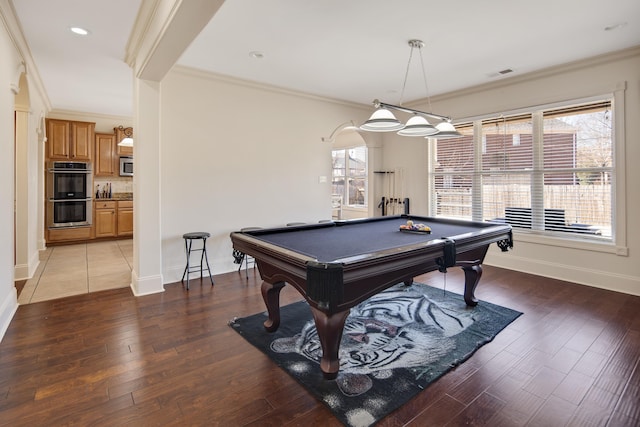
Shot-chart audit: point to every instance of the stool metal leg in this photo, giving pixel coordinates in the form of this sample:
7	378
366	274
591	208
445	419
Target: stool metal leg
241	262
187	249
206	258
204	245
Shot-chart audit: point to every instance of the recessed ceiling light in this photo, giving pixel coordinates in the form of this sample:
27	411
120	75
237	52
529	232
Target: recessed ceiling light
79	31
256	54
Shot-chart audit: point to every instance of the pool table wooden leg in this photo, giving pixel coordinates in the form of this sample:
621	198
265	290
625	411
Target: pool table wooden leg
271	297
472	276
329	327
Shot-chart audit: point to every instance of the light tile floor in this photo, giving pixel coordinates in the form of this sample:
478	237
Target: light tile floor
79	269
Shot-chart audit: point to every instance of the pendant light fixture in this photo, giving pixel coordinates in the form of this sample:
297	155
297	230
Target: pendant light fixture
383	120
127	141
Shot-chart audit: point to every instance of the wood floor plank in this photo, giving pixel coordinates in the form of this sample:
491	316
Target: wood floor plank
553	412
110	358
439	413
478	412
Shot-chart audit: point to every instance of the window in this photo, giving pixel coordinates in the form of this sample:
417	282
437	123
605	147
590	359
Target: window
547	170
452	175
349	177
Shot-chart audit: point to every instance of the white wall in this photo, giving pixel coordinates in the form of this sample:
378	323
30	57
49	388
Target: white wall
573	81
9	78
236	155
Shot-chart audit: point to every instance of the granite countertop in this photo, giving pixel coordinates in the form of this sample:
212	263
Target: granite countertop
118	196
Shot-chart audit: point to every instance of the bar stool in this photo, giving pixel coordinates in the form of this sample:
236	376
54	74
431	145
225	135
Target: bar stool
188	241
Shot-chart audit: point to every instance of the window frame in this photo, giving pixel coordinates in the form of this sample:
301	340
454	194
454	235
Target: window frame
618	242
348	176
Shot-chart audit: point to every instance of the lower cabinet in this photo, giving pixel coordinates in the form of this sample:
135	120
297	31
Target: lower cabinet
111	218
105	219
125	218
57	235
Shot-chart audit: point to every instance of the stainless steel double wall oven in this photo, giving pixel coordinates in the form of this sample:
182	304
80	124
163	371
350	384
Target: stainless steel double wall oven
69	191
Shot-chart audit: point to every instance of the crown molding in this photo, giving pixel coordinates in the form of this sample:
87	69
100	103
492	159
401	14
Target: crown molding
83	115
536	75
210	75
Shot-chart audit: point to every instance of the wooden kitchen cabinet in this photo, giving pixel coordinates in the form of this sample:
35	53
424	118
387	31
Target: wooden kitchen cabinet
105	219
125	218
58	235
106	159
70	140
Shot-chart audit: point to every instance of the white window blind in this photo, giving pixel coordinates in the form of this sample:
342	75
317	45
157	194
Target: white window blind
453	175
546	171
506	168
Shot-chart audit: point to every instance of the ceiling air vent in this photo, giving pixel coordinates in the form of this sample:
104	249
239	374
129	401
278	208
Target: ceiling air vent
505	71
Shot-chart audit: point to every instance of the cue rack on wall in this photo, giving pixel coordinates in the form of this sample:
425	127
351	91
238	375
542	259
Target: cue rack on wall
393	201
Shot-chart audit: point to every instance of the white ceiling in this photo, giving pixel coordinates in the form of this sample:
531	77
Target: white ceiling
354	50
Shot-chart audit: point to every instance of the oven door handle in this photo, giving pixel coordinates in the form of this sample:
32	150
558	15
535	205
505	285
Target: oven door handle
79	171
86	199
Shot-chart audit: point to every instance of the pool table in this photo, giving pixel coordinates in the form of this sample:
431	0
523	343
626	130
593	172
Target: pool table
337	265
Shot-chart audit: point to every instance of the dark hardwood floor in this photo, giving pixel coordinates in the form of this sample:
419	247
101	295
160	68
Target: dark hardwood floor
113	359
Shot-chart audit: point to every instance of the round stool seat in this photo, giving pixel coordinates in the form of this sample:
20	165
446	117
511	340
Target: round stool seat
197	235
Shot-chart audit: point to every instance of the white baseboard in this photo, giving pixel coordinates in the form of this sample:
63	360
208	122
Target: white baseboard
21	272
570	273
146	285
8	310
26	271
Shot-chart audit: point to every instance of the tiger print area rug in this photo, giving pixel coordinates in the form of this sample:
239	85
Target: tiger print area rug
394	345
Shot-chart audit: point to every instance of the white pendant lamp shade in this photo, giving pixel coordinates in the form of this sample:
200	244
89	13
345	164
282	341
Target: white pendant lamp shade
126	142
446	130
382	120
417	126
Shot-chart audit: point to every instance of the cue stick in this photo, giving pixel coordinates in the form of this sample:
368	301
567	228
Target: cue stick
401	189
393	191
388	190
390	194
398	188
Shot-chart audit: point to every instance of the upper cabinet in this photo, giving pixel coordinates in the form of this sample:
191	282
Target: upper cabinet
106	160
69	140
121	133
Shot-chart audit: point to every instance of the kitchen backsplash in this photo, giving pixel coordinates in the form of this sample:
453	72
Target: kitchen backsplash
118	184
